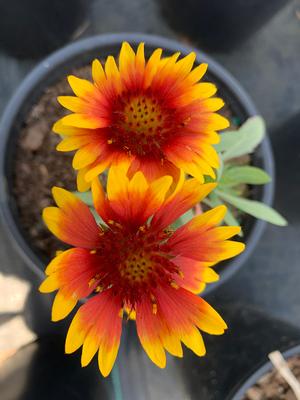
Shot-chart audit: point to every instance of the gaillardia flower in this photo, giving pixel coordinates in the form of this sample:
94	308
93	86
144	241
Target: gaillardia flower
155	114
133	263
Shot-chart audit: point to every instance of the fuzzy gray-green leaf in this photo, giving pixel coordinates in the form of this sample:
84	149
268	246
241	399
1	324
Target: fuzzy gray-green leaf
183	219
254	208
242	141
235	175
229	219
86	197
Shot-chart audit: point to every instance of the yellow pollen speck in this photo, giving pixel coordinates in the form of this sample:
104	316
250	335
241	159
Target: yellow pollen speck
111	222
142	228
131	314
110	141
174	285
98	289
91	282
93	251
154	308
180	273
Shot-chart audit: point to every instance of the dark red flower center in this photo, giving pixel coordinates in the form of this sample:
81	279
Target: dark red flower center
133	264
141	125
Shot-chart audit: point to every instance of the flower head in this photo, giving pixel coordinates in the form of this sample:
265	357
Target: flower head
133	263
154	114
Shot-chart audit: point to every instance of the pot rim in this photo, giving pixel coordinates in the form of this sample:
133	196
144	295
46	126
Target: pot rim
70	52
259	373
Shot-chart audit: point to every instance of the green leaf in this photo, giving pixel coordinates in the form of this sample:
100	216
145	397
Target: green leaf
242	141
234	175
221	168
97	217
229	219
254	208
183	219
86	197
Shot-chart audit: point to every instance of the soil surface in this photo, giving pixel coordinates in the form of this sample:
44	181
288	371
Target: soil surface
273	387
39	166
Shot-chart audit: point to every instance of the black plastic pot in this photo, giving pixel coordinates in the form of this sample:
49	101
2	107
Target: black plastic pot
251	336
286	136
80	53
42	371
267	367
218	24
34	28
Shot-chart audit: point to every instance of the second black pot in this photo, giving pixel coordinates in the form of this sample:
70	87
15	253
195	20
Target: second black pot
241	390
34	28
217	24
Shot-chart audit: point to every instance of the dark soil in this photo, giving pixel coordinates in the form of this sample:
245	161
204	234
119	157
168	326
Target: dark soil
39	166
273	387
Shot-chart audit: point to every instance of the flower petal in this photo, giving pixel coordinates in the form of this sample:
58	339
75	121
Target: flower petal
135	200
98	73
100	201
81	87
97	326
71	143
67	130
82	120
87	154
72	103
177	316
82	184
199	239
190	194
152	67
72	272
147	325
97	167
72	222
62	306
182	309
193	274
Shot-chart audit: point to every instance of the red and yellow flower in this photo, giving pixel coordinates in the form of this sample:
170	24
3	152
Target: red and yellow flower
155	114
133	263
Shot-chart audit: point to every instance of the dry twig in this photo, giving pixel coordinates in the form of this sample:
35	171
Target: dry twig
283	369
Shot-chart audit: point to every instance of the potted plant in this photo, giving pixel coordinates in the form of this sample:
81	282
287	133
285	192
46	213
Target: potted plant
153	125
218	25
278	379
27	162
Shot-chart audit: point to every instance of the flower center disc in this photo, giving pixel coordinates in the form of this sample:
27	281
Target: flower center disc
139	126
143	116
136	268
